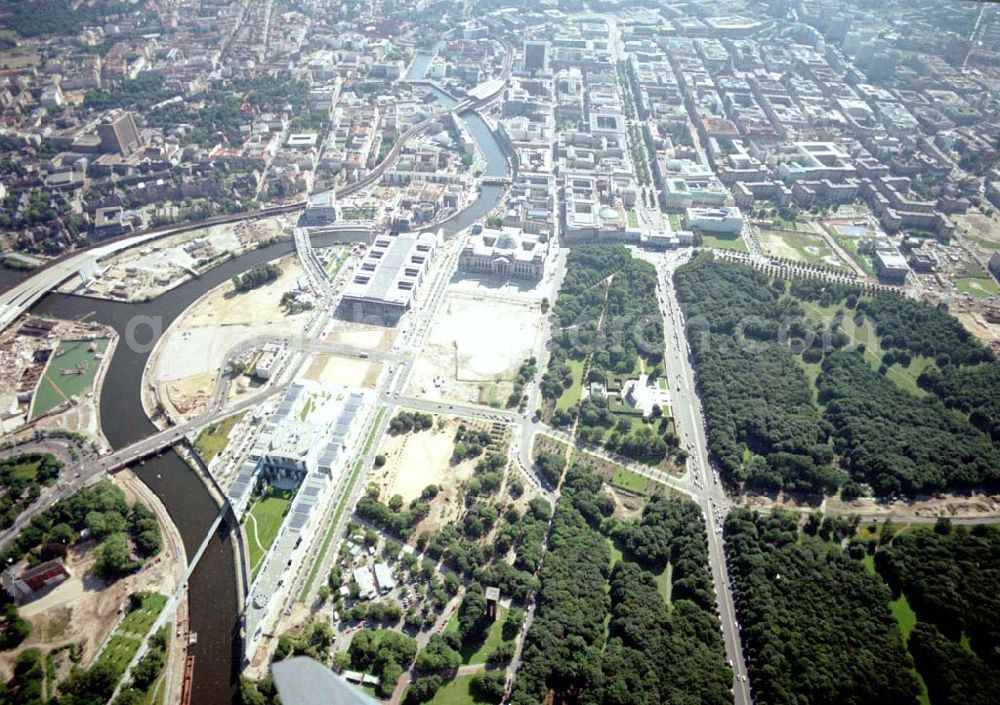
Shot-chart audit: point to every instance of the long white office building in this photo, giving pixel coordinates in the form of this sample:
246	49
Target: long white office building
304	447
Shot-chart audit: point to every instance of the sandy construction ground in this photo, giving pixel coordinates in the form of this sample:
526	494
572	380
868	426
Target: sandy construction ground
974	506
416	460
361	335
490	337
983	330
346	371
160	265
983	230
84	609
193	351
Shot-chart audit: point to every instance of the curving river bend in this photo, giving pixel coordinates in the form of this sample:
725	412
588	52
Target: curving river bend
213	601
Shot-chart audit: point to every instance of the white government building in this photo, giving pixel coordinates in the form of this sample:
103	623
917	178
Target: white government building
506	252
304	447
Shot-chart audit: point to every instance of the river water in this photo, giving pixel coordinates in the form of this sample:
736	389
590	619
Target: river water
213	599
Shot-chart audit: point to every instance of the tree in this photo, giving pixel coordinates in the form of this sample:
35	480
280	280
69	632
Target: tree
472	622
489	685
423	689
438	656
112	558
390	675
837	640
14	629
501	654
512	625
148	668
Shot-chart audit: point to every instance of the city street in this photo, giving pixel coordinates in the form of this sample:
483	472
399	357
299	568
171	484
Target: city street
709	494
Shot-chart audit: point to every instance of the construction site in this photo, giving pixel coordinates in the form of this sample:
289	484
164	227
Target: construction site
475	346
186	363
49	371
417	459
143	273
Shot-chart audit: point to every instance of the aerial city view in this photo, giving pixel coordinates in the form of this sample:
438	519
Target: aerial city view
542	352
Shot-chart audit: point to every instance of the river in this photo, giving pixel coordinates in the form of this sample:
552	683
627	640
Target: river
213	599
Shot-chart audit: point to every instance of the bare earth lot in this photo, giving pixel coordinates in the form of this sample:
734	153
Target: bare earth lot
146	272
488	338
346	371
416	460
194	349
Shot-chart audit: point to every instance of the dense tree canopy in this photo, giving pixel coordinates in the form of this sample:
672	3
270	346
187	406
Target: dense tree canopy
815	623
126	535
659	655
766	429
563	647
920	329
756	396
672	531
953	675
650	653
951	578
21	479
606	306
887	437
972	390
256	276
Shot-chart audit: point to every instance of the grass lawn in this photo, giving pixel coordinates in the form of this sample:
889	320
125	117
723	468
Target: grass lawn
983	242
812	370
23	472
119	652
907	620
336	261
125	642
630	481
663	581
675	222
981	288
264	522
724	243
571	395
494	637
139	620
306	408
869	563
850	245
801	246
456	692
904	377
213	439
904	615
633	218
616	552
901	610
70	373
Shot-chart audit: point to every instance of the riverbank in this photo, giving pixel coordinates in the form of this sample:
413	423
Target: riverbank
214	599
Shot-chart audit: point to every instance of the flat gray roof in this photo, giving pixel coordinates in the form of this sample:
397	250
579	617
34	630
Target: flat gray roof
303	681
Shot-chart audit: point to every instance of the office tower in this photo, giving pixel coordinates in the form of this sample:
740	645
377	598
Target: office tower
119	134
